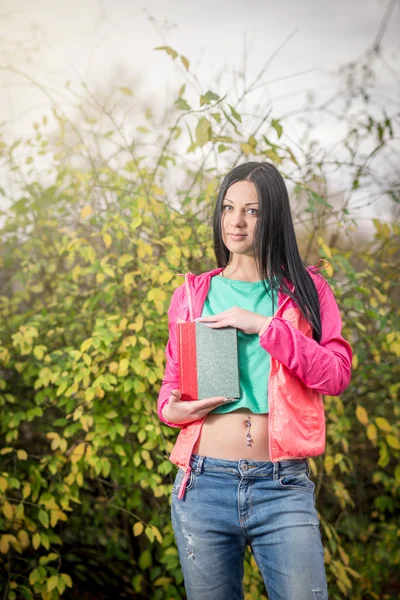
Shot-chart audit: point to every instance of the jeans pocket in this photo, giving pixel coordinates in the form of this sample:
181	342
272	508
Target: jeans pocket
297	481
178	481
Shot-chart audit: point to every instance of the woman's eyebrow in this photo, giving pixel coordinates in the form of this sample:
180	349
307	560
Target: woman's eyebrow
247	203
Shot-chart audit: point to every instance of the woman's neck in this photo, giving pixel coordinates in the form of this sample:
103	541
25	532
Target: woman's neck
229	273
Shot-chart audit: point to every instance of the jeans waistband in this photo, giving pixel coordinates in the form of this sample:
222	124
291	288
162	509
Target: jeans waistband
250	468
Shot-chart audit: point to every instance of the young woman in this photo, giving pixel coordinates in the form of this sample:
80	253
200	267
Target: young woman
243	474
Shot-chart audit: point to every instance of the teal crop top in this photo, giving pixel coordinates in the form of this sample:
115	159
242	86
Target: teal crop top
254	361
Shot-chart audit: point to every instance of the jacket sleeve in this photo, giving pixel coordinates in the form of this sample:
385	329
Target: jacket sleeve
171	373
323	366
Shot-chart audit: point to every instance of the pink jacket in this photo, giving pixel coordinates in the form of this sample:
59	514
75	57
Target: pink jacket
301	370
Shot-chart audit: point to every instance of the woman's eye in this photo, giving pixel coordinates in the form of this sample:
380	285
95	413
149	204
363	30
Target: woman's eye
228	205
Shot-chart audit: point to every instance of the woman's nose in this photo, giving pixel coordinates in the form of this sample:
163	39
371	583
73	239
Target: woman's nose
237	219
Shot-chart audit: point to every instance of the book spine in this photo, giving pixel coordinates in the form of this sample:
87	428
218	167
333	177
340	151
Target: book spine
187	361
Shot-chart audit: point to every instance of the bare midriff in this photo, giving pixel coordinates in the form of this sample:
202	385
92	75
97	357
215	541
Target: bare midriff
223	435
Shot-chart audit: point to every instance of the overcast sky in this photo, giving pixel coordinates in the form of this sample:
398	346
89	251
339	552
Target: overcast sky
88	39
305	42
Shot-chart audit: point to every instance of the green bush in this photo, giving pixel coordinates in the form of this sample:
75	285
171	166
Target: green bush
90	254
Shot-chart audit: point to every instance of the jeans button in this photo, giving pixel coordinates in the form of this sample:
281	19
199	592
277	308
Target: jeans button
245	467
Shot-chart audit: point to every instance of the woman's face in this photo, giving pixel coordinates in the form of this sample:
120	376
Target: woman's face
239	214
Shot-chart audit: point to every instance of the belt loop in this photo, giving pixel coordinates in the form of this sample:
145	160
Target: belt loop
275	476
199	465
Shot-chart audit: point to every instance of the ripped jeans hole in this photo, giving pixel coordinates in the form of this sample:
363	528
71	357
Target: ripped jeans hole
190	555
318	594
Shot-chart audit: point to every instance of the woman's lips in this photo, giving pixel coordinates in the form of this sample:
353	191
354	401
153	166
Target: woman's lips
237	237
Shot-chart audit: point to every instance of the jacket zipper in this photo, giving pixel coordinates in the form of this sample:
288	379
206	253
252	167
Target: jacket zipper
189	295
270	388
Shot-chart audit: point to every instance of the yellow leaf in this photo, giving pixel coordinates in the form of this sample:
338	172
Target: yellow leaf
108	271
145	455
246	148
113	367
362	414
8	510
23	538
329	270
328	463
86	211
100	277
86	344
166	277
22	454
136	222
383	424
76	271
143	249
39	351
52	583
123	367
355	361
313	466
3	483
165	580
145	353
4	544
6	450
157	534
343	555
372	433
124	259
107	239
156	294
67	579
185	232
128	279
138	529
393	442
36	540
77	452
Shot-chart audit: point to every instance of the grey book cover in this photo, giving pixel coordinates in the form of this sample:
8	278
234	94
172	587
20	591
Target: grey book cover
217	362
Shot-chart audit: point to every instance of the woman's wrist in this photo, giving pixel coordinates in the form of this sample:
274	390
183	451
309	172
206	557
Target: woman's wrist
265	326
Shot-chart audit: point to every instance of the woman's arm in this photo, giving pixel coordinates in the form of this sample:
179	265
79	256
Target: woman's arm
324	366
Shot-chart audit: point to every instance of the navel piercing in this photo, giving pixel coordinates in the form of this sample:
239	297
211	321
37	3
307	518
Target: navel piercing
248	434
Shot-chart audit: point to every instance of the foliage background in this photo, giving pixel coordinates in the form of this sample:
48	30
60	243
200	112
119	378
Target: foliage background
99	221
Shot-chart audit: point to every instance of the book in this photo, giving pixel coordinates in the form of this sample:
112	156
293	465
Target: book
208	361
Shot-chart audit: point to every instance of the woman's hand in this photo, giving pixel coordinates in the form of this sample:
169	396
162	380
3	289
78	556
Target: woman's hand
247	321
182	412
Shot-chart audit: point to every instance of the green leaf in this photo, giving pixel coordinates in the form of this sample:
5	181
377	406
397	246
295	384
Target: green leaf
145	559
235	114
52	583
277	126
185	62
216	116
320	199
203	132
125	90
43	518
168	50
181	104
208	98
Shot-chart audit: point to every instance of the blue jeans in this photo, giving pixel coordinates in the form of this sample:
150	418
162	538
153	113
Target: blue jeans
270	506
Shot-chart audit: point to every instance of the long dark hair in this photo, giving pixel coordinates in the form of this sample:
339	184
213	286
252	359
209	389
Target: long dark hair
274	245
